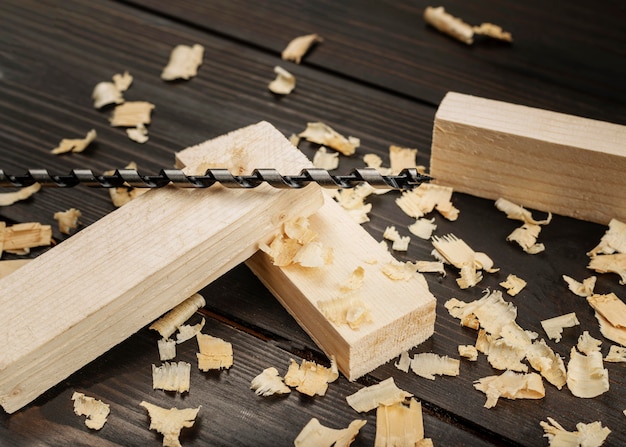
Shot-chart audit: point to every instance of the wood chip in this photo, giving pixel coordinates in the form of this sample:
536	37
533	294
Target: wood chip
314	434
375	162
584	288
613	241
139	133
383	393
184	62
513	285
171	377
400	243
20	238
430	267
297	48
171	321
588	435
320	133
615	263
493	31
269	383
423	228
284	83
68	220
326	160
510	385
131	114
554	326
105	93
215	353
587	344
526	237
167	349
469	352
401	158
95	410
458	29
122	81
170	422
76	144
9	198
426	197
617	354
310	378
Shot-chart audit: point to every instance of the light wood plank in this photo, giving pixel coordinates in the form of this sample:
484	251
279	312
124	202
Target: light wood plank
540	159
94	290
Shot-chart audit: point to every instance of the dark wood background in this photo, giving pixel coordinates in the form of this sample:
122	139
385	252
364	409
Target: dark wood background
379	75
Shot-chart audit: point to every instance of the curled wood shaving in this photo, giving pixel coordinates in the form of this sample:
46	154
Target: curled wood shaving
615	263
297	48
167	349
469	352
426	197
504	356
310	378
517	212
456	252
513	285
616	334
584	288
171	321
171	377
350	310
587	435
138	133
321	133
269	383
617	354
613	241
401	158
430	267
352	200
429	364
587	344
105	93
20	238
586	375
123	195
75	144
131	114
423	228
526	237
170	422
215	353
314	434
399	425
326	160
375	162
458	29
400	271
9	198
511	385
184	62
284	83
554	326
68	220
355	281
550	365
95	410
383	393
187	332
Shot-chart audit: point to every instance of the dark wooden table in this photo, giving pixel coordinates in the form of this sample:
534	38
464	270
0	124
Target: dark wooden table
379	75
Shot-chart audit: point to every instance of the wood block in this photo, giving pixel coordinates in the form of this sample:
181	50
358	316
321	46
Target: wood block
403	312
540	159
79	299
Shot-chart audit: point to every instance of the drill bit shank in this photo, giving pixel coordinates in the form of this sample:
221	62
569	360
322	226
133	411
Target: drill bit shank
407	179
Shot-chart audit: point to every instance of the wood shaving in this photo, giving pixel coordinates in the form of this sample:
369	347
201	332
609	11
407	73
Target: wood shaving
510	385
95	410
550	365
75	144
404	362
400	243
554	326
513	285
423	228
401	158
105	93
171	377
587	435
383	393
9	198
269	383
8	266
355	281
20	238
584	288
295	244
399	425
613	241
284	83
326	160
469	352
610	307
430	267
456	252
350	310
426	197
399	271
517	212
215	353
586	375
615	263
122	81
616	334
131	114
170	422
505	356
167	349
587	344
526	237
320	133
429	364
352	200
297	48
314	434
458	29
171	321
68	220
187	332
375	162
617	354
184	62
310	378
123	195
139	133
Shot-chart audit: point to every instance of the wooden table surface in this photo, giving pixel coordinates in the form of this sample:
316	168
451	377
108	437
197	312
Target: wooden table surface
379	75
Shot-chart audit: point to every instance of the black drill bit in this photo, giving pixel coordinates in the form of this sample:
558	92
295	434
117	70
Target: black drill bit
407	179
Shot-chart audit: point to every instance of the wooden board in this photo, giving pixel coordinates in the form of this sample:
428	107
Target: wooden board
403	311
102	285
540	159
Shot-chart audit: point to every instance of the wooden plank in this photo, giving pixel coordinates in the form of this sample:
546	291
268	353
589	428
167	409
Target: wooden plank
403	311
100	286
540	159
